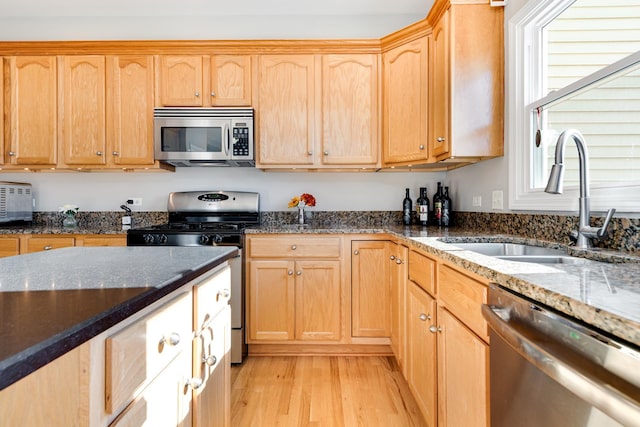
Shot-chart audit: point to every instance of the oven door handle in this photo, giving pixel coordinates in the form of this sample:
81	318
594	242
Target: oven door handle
578	380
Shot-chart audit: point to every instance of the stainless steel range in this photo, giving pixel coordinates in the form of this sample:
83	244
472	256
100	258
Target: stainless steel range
218	218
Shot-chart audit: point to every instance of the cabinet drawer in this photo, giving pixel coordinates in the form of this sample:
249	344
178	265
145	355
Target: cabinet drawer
422	271
136	354
37	244
210	297
294	246
463	297
9	246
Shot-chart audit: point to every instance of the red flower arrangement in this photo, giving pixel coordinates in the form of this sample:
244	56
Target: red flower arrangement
305	199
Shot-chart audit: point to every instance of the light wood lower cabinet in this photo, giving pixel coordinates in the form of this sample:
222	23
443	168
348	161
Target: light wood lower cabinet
398	280
37	243
9	245
28	243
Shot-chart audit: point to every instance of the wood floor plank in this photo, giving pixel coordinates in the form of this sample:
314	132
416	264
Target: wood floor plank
321	391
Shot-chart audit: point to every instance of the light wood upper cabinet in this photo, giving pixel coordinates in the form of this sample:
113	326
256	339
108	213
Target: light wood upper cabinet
83	110
204	81
31	110
350	109
130	103
286	121
405	86
230	80
467	79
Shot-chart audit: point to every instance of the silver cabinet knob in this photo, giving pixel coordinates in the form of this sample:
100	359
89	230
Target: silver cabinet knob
356	252
47	248
115	153
11	153
326	153
173	339
213	94
440	139
197	94
298	273
433	329
310	152
98	153
294	247
421	147
209	360
224	293
392	257
195	383
290	273
424	317
398	261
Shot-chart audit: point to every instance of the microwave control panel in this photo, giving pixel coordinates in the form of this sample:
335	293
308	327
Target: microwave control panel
241	141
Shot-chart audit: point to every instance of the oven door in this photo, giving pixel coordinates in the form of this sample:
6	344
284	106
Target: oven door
191	138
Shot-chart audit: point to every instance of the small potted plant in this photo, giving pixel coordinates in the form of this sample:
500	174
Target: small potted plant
69	212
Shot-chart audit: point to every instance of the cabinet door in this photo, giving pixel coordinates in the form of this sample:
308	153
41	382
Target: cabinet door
270	300
286	104
318	300
440	121
231	80
463	386
370	289
181	81
130	100
32	107
83	110
350	109
398	282
405	102
9	246
421	350
212	365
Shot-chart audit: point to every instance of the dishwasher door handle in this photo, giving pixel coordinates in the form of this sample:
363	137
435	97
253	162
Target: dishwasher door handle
579	381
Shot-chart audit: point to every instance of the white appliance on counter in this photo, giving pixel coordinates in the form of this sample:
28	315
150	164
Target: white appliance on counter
16	202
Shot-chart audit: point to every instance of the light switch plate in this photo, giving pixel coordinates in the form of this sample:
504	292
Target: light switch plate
477	201
496	200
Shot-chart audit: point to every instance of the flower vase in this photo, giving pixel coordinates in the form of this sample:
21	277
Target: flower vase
300	215
70	221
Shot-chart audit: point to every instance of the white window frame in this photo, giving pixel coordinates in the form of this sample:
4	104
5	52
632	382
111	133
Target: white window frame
523	80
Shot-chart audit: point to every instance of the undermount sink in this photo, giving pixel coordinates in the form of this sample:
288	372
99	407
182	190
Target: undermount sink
521	252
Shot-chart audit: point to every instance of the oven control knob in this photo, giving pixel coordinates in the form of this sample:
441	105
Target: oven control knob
217	239
204	239
148	238
162	239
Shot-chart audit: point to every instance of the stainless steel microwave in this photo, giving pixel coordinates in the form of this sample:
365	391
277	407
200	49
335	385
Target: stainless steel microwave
204	136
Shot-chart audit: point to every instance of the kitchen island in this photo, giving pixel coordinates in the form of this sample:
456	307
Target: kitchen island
54	301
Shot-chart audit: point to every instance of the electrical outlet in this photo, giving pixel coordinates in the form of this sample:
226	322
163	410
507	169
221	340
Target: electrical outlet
477	200
134	201
496	200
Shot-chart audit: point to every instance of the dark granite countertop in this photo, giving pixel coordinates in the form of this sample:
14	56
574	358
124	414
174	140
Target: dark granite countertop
53	301
603	292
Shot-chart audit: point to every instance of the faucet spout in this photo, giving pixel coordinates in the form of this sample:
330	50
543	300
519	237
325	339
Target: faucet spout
554	186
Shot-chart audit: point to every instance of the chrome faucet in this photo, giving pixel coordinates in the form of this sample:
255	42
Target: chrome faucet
585	231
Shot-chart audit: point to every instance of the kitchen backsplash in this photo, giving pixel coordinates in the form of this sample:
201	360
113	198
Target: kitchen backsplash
623	233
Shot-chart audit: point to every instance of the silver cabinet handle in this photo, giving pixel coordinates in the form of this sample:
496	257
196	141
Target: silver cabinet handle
433	329
310	152
11	153
421	147
47	248
440	139
392	257
398	261
173	339
290	273
224	293
195	383
294	247
98	153
424	317
326	153
213	94
298	273
115	153
356	252
209	360
197	94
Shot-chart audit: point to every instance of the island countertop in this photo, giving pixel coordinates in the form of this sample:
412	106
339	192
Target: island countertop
53	301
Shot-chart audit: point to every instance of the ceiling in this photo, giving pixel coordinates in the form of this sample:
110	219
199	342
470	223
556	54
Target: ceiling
128	8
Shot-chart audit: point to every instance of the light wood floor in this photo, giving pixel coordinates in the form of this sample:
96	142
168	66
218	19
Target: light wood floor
321	391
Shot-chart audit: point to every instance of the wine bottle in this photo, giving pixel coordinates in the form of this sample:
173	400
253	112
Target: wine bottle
406	209
437	206
446	208
422	207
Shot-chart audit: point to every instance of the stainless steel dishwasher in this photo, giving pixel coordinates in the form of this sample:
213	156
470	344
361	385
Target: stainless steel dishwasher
548	370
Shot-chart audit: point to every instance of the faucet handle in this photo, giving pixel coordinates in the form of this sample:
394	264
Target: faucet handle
602	230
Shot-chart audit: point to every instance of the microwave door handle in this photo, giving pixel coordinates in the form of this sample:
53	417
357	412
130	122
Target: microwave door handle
225	136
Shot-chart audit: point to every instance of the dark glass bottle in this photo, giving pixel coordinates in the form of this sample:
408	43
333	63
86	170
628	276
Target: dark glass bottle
437	206
422	207
446	208
406	209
